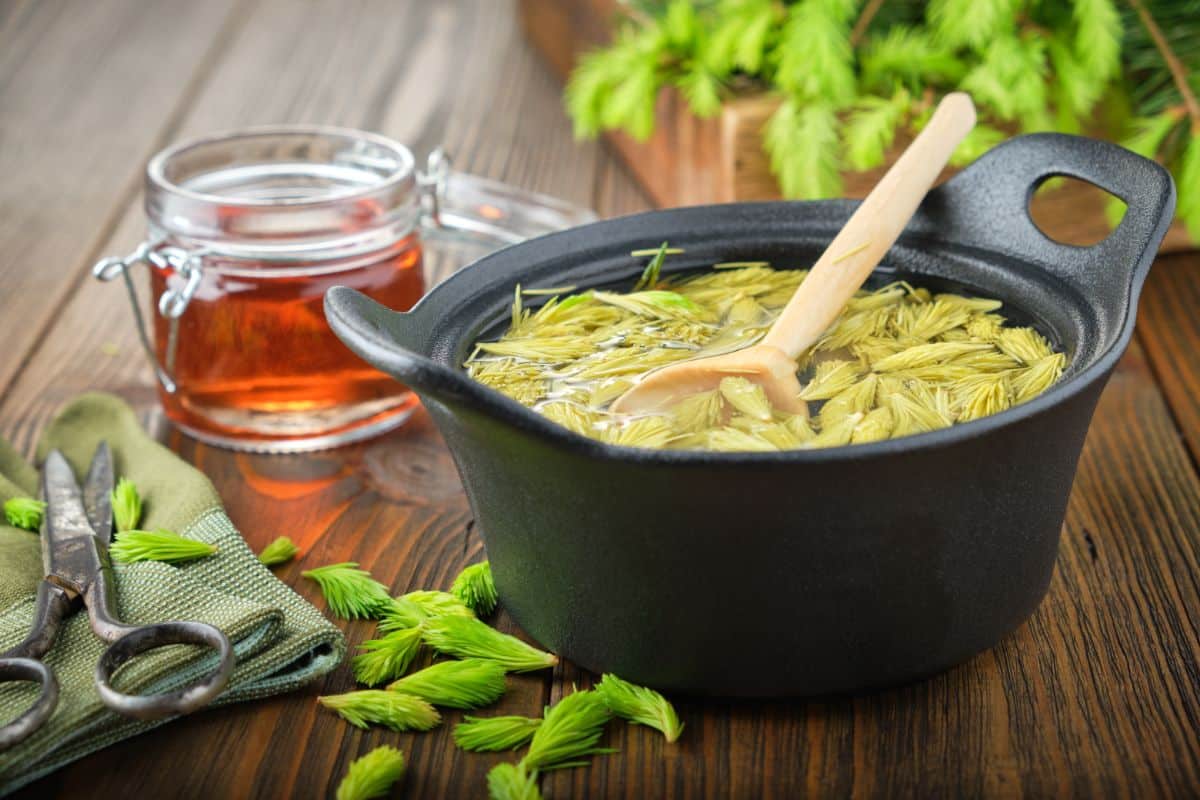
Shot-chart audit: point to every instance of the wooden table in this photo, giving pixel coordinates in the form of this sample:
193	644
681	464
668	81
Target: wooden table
1098	695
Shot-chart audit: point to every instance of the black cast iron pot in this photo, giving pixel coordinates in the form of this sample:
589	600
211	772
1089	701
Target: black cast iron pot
802	572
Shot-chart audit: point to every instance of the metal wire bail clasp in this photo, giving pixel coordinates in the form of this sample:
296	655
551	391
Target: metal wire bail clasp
172	303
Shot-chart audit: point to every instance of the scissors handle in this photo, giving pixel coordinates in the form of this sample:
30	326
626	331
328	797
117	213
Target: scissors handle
28	669
142	639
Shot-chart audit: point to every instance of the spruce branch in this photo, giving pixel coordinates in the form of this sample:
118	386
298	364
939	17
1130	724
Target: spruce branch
569	732
475	587
161	545
471	683
467	637
25	513
640	705
387	657
395	710
492	734
512	782
351	592
1174	65
126	505
372	775
280	551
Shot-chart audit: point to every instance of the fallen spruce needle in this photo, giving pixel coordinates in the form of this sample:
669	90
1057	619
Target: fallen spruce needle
131	546
387	657
568	733
126	505
351	592
433	603
372	775
395	710
24	512
280	551
493	734
471	683
474	587
467	637
512	782
640	705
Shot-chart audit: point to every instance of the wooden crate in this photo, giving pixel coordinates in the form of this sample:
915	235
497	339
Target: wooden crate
690	161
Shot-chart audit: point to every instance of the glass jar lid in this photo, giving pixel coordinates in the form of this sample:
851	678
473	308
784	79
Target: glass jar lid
284	193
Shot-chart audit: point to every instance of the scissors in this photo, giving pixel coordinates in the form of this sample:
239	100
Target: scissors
76	529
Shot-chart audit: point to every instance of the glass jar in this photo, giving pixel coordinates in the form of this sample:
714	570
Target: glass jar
247	230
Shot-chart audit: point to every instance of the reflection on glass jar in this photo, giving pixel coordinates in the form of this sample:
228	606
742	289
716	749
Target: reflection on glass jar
248	230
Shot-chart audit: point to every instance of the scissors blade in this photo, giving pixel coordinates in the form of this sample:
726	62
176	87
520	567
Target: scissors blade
69	545
97	493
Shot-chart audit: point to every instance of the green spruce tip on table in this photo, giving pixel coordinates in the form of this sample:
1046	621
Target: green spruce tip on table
281	641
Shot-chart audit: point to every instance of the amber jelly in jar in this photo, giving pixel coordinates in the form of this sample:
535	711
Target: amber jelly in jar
247	230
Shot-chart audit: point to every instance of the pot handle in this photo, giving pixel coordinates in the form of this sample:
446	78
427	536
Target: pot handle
988	204
384	339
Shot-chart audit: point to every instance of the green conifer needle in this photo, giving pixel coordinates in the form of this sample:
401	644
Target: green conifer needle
467	637
512	782
650	274
387	657
372	775
492	734
126	506
351	592
471	683
280	551
395	710
475	587
568	733
399	614
437	604
160	545
24	512
640	705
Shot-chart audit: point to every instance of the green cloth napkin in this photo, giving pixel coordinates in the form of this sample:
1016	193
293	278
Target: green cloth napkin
281	641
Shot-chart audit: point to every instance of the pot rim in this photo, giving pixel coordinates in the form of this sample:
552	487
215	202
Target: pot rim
526	418
983	210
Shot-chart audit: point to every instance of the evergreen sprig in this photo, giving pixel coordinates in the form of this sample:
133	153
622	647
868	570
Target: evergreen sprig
395	710
130	546
512	782
569	733
280	551
470	683
126	505
386	658
492	734
372	775
351	592
475	587
25	513
837	67
467	637
640	705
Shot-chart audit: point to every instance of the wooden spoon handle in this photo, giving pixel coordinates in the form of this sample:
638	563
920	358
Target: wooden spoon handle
872	230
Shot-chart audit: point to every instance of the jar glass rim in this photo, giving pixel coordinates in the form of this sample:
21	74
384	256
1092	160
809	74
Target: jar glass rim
156	169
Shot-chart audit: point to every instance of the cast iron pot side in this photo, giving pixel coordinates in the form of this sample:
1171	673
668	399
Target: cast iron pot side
800	572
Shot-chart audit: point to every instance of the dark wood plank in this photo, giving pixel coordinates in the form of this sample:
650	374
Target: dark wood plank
1169	329
89	91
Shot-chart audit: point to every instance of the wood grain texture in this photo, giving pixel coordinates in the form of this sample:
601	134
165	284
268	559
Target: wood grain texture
1098	695
1170	332
88	91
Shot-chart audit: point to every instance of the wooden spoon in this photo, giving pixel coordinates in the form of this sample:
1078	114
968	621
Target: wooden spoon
838	274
